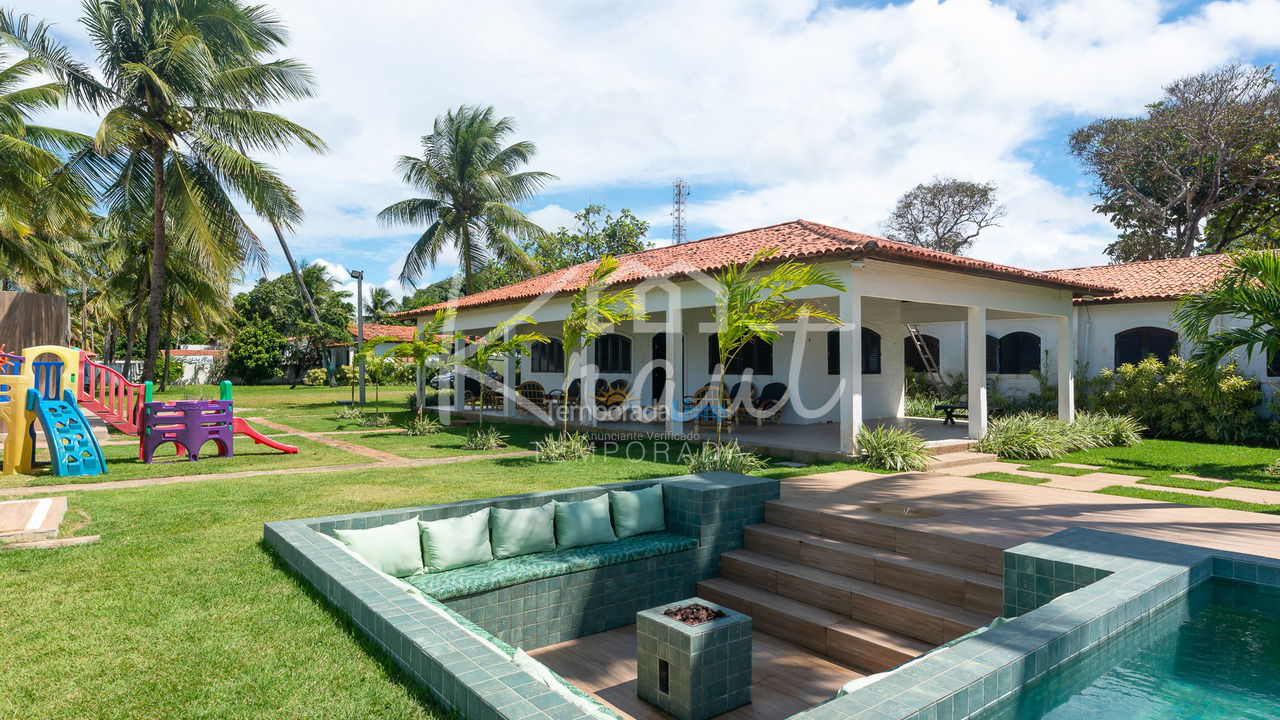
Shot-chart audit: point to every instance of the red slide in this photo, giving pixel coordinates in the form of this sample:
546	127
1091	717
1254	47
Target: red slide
240	427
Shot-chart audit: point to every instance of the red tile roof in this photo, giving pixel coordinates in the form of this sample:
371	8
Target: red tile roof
403	333
1149	280
197	353
799	239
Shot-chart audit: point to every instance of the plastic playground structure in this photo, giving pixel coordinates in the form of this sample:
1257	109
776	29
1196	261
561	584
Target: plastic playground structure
54	394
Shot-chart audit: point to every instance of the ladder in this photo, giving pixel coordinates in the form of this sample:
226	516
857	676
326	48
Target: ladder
931	370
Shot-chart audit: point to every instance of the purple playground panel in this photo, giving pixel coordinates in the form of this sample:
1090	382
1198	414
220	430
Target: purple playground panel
189	424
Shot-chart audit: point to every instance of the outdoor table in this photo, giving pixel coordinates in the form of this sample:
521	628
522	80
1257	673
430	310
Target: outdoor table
693	672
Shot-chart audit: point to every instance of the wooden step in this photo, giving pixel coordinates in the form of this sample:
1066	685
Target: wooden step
862	527
970	589
951	460
863	646
902	612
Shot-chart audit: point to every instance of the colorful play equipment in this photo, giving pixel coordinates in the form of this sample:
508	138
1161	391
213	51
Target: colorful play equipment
53	393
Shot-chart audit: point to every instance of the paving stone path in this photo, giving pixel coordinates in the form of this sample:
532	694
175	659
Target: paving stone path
333	442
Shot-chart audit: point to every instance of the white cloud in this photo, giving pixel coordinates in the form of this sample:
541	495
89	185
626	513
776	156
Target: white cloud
822	112
552	217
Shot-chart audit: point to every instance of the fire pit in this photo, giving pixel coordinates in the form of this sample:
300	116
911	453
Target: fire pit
694	658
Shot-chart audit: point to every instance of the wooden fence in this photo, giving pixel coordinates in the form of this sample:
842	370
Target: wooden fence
29	319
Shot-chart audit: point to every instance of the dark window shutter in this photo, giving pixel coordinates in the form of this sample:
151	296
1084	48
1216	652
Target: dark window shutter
911	354
613	354
993	354
1161	343
1019	353
833	352
547	357
870	352
1128	347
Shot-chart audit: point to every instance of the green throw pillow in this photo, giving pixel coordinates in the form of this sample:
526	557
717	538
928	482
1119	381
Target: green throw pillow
393	549
636	512
522	531
456	542
583	523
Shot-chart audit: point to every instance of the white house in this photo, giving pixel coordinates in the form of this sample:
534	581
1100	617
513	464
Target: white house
837	378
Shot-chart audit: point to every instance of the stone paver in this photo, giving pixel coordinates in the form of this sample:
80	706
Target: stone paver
1084	483
334	442
1197	477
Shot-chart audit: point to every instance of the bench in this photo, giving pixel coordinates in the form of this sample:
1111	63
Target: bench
961	411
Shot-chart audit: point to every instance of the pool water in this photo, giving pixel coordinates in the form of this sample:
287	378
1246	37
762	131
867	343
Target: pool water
1212	655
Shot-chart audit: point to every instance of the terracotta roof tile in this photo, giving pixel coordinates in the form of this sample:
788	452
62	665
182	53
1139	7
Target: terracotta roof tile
402	333
1148	280
792	240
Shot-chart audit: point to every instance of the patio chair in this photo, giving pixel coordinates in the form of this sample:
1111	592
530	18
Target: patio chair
742	398
534	393
709	405
574	393
771	402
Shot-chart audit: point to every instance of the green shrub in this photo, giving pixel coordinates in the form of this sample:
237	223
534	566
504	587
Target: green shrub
1175	400
1025	436
729	457
1099	429
379	420
348	375
892	448
256	353
424	425
431	395
1273	468
349	412
316	376
487	438
558	446
923	405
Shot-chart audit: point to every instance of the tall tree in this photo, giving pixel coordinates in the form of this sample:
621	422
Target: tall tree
44	200
380	305
1249	289
944	214
471	182
1210	146
596	232
182	84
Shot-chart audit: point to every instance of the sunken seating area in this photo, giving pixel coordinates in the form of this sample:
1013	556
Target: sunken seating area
462	631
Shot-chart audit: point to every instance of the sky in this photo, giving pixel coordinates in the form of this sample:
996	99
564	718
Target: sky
772	111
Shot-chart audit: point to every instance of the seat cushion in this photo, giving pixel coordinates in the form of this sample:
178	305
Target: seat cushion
636	512
521	531
393	549
527	568
585	522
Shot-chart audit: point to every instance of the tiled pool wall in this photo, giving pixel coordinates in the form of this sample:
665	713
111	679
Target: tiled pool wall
458	670
1113	581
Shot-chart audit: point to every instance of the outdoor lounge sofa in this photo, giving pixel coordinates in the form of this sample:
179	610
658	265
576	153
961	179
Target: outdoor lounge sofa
462	632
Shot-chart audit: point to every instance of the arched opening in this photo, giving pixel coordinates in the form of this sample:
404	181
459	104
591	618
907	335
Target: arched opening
547	357
1137	344
1019	353
756	356
911	354
613	353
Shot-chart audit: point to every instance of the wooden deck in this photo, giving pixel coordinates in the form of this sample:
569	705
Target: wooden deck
786	678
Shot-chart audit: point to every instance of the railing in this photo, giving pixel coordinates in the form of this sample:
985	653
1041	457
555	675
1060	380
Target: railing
107	394
48	378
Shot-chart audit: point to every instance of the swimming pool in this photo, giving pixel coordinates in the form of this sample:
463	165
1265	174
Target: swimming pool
1211	654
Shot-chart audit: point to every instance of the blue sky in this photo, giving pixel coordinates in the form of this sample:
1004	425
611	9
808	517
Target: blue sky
771	110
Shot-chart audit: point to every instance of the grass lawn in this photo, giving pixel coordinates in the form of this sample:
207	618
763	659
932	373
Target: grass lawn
1010	477
267	400
123	462
1157	460
1184	499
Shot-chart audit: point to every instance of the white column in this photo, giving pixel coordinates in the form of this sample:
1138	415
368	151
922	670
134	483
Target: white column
976	341
850	369
1066	370
508	377
674	390
459	383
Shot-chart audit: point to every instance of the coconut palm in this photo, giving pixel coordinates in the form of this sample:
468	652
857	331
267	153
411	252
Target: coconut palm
380	305
1249	289
428	342
182	84
750	305
479	356
594	312
44	201
471	184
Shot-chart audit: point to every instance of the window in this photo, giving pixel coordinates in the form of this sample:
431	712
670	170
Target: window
1136	344
547	357
613	354
911	355
993	354
756	356
870	352
1019	353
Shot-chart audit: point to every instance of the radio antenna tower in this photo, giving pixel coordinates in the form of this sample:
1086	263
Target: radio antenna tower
679	191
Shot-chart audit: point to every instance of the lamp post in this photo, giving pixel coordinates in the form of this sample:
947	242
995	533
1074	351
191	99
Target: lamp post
359	276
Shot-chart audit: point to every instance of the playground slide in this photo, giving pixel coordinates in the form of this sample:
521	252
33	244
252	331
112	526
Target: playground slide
240	427
73	449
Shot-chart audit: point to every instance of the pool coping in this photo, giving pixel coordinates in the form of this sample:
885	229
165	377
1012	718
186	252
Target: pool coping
1066	593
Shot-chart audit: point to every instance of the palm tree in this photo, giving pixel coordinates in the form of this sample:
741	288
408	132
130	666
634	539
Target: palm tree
1249	289
470	182
380	305
479	355
751	305
182	84
427	343
592	313
44	201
